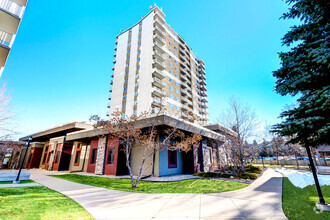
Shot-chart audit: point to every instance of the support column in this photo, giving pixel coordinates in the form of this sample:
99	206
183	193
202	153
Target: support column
205	156
100	156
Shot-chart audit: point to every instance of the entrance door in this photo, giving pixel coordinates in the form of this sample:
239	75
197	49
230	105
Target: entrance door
34	158
65	157
57	159
92	156
45	159
110	166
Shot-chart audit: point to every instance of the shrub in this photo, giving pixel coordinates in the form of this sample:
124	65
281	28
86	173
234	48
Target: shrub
248	175
252	169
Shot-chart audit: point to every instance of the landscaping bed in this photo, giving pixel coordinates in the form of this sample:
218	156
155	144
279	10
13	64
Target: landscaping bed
299	203
38	203
185	186
251	172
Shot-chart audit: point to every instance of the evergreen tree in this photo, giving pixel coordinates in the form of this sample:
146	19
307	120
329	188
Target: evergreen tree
304	72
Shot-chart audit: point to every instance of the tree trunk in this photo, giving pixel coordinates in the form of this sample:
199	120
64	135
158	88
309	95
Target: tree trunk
318	188
277	159
263	165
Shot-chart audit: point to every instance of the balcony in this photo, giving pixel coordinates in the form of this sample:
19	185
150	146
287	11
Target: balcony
108	105
183	78
159	39
160	18
157	102
115	54
115	48
158	31
12	8
116	42
159	47
158	92
204	94
158	64
202	77
111	82
112	75
158	55
184	99
113	68
159	83
114	61
109	97
159	25
184	91
107	114
5	39
202	71
158	74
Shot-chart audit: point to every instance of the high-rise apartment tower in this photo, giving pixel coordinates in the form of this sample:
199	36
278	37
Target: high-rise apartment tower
11	13
154	67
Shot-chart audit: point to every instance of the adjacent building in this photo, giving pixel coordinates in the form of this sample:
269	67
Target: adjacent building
155	69
11	13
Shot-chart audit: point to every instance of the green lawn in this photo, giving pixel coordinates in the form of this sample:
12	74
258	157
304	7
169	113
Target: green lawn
185	186
23	181
38	203
299	203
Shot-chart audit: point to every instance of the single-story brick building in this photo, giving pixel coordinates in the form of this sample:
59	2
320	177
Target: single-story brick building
79	147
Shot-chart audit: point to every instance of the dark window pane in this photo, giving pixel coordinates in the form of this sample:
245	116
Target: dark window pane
93	159
172	159
58	156
77	157
111	153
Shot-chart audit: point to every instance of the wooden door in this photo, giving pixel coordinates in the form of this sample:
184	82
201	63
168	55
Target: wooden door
92	155
110	166
45	159
57	158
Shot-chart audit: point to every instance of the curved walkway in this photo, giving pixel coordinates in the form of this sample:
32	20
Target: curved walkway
261	200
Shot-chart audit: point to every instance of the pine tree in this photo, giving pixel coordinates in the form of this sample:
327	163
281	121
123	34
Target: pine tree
304	72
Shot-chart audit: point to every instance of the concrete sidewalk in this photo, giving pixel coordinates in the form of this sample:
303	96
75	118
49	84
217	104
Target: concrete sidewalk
261	200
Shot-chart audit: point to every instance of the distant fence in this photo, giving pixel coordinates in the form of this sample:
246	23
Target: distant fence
283	162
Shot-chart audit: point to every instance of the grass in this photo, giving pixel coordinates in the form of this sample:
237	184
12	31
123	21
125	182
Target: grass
38	203
185	186
22	181
299	203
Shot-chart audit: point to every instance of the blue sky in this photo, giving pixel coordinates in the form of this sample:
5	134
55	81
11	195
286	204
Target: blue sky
60	64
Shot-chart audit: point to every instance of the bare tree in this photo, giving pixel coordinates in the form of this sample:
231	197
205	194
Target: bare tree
5	114
133	134
278	146
243	120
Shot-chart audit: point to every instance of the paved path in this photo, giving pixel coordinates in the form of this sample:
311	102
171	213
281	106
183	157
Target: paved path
260	200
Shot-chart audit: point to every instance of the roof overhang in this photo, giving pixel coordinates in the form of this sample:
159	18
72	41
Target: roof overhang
57	131
159	120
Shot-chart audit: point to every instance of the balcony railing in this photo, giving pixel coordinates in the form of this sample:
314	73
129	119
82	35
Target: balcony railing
158	82
159	64
159	31
5	38
159	55
158	74
159	39
158	92
12	7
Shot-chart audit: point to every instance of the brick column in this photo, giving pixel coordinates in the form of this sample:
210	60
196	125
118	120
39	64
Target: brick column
100	156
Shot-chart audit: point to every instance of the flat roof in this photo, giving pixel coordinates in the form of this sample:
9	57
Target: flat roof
157	121
57	131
